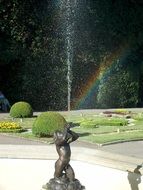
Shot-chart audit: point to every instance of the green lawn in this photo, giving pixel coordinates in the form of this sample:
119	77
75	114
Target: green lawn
103	138
26	123
95	128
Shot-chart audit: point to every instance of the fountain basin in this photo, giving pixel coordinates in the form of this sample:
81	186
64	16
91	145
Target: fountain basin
21	174
28	167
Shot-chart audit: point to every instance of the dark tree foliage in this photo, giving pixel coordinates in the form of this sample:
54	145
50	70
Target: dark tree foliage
113	26
33	64
32	58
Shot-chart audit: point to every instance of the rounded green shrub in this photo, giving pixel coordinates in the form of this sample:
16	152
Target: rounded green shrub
47	123
21	109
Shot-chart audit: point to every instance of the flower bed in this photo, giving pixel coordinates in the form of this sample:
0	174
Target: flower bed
7	126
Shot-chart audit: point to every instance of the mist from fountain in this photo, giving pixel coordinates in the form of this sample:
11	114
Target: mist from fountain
68	9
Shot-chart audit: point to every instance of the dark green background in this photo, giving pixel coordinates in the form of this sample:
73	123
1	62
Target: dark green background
33	64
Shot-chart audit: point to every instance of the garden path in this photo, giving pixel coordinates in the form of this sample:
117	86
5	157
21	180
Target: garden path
133	149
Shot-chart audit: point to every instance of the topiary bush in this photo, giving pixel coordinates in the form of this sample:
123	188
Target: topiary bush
47	123
21	109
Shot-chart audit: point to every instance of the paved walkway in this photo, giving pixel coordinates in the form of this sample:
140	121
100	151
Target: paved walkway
133	148
10	140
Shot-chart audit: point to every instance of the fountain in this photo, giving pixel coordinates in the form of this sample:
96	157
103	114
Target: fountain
64	176
68	10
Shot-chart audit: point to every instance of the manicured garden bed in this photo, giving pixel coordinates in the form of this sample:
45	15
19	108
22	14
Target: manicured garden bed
95	128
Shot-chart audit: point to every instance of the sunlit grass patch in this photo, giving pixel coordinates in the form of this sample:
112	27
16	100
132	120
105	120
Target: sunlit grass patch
26	123
104	121
116	137
138	116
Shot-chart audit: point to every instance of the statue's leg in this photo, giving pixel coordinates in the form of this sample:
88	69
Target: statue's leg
70	172
59	167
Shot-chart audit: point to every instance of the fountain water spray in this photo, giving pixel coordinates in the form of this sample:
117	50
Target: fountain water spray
68	9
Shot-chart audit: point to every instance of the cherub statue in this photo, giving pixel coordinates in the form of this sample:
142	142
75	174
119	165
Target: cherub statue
64	177
62	139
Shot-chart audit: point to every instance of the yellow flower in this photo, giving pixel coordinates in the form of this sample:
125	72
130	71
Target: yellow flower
9	125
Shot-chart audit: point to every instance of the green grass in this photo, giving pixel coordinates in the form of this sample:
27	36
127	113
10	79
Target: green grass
138	117
11	130
116	137
103	121
108	129
26	123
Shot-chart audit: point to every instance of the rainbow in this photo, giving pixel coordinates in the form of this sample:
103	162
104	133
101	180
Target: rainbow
89	90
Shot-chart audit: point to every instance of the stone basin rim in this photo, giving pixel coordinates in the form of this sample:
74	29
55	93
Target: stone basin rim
83	154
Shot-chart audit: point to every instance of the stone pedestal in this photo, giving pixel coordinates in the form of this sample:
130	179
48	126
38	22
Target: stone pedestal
63	184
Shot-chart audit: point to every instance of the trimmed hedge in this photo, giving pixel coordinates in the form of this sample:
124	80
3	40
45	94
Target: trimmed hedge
47	123
21	110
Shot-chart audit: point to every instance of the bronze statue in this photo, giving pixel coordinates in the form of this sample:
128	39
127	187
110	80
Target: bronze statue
62	141
64	176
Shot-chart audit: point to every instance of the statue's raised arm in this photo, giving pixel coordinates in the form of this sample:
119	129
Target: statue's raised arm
72	136
65	136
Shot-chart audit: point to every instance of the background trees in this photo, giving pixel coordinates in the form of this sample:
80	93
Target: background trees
33	58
